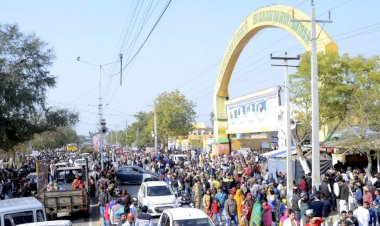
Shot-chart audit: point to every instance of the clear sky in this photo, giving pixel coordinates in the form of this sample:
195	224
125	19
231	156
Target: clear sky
184	51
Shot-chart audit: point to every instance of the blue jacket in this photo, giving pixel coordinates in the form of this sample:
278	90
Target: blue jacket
358	194
221	198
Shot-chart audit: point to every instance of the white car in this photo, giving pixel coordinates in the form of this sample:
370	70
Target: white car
181	158
157	196
61	164
85	155
49	223
184	217
79	162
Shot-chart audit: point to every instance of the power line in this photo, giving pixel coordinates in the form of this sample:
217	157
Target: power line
192	79
150	33
373	29
128	40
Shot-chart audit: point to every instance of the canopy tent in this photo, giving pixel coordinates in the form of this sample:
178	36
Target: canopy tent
279	153
350	139
352	131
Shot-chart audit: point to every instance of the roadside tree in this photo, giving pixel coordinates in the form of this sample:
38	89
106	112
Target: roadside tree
347	85
25	79
175	116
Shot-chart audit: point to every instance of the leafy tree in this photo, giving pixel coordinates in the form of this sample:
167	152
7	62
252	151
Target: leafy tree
333	96
348	87
24	80
175	115
55	139
364	106
139	132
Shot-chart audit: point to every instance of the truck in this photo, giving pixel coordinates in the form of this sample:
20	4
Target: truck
64	200
72	147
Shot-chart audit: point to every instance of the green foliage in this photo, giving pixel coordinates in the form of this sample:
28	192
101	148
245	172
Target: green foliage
365	97
24	81
349	87
55	139
139	132
175	115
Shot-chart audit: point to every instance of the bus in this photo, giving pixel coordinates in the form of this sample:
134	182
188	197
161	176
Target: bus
72	147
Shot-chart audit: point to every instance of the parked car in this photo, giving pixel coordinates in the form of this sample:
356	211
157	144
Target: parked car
21	210
32	177
33	182
134	175
85	155
61	164
157	196
179	159
184	217
79	162
49	223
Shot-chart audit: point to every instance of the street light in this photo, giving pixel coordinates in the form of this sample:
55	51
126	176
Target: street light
155	127
289	168
102	129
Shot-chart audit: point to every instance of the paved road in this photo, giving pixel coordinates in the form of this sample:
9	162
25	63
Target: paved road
131	189
94	216
91	220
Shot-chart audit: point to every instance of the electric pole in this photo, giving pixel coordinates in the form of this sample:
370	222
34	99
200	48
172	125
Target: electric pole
289	168
126	133
102	123
101	117
121	69
316	167
155	128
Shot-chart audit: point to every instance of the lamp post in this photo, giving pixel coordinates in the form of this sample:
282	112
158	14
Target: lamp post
155	127
289	168
100	107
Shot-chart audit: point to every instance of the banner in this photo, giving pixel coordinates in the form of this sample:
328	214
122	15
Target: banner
256	112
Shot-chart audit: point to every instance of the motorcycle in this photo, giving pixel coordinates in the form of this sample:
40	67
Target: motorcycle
185	198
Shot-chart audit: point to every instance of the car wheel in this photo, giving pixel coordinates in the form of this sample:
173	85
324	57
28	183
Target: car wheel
148	179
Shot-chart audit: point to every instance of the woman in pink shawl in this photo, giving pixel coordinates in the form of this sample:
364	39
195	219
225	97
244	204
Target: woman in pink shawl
284	217
267	215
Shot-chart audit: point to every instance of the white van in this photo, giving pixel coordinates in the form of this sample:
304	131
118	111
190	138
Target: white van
20	211
50	223
184	217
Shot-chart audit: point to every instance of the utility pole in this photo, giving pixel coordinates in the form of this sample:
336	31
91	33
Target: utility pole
316	167
121	69
101	117
102	123
289	168
126	133
155	128
116	136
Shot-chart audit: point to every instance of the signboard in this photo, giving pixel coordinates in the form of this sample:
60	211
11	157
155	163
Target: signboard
256	112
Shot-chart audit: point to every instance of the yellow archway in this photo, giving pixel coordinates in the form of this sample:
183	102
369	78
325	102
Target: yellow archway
273	16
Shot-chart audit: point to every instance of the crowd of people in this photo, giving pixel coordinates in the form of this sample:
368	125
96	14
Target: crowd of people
238	190
233	189
13	177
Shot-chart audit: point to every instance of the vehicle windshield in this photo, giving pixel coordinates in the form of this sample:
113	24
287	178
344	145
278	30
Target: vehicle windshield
159	191
68	176
182	158
193	222
18	218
